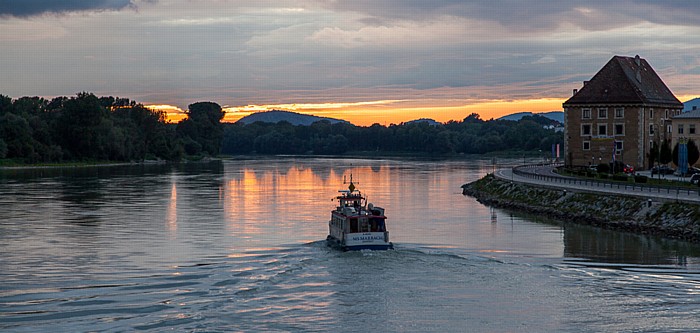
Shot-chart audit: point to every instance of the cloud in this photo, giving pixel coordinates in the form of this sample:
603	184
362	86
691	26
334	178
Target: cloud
520	15
26	8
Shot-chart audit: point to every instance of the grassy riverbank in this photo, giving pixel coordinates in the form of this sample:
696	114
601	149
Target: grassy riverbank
619	212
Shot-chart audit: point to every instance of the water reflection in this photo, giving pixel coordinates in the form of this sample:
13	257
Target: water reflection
608	246
238	245
171	214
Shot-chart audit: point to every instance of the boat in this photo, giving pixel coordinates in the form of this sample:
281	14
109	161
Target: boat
356	224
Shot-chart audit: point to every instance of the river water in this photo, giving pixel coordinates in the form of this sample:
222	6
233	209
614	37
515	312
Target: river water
239	245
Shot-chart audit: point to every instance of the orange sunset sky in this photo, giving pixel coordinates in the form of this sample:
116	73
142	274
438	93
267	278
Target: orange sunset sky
385	112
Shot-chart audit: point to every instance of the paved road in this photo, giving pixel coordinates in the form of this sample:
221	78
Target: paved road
554	180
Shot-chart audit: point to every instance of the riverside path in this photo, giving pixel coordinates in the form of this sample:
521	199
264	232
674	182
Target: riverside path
543	175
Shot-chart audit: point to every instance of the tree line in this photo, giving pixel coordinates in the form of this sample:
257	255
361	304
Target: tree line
472	135
90	128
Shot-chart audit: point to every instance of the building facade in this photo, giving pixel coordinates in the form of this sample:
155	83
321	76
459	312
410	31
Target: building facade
618	115
686	126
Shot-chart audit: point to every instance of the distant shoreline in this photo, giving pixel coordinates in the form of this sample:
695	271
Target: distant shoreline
77	165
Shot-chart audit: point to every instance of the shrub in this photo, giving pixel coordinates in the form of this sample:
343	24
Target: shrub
640	179
603	168
620	177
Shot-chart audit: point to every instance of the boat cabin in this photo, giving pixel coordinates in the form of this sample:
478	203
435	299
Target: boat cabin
359	219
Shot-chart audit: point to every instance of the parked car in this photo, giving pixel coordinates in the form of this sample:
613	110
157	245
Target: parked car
628	169
694	178
662	170
691	171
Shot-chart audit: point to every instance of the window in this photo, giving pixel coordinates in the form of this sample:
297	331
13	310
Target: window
619	112
669	129
666	114
618	147
619	129
651	113
651	129
680	128
586	129
586	113
691	129
603	129
602	113
586	145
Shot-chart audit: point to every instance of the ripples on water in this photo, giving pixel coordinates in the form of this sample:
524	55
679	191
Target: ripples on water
303	288
222	248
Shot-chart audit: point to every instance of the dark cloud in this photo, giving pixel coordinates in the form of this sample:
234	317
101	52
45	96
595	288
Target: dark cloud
531	15
26	8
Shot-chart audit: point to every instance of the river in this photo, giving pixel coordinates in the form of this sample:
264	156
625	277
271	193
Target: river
239	245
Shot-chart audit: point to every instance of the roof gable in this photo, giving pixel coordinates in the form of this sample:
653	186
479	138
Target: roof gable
625	80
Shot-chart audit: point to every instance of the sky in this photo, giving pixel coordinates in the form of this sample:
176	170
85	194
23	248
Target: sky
366	61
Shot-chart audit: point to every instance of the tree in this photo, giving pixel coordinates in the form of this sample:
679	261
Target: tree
473	118
81	127
5	104
653	154
666	155
203	126
17	136
3	148
693	152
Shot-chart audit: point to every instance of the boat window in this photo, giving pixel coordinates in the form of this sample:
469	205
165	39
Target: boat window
353	225
364	226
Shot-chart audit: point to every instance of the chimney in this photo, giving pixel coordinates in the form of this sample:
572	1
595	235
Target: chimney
637	60
585	83
575	91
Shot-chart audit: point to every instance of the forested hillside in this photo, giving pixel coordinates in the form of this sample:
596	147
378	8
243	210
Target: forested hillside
470	136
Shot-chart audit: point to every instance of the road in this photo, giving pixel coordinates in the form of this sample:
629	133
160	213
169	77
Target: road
544	175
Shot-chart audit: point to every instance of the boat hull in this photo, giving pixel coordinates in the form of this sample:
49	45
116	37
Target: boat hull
374	241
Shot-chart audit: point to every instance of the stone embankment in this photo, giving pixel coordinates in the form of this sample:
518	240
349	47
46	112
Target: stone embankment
620	212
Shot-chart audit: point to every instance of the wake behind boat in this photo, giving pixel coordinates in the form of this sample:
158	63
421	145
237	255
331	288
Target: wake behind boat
356	225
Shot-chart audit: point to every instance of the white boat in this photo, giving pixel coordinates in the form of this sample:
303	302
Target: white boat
357	225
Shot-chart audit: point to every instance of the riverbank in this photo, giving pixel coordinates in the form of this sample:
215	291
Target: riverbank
619	212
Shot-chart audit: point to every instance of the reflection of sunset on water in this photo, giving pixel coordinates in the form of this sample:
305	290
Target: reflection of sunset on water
285	197
172	211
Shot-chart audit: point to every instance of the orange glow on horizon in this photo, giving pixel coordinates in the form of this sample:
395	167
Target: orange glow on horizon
393	112
173	114
387	112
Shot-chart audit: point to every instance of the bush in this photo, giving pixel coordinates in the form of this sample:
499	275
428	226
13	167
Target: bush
640	179
603	168
619	177
616	167
603	175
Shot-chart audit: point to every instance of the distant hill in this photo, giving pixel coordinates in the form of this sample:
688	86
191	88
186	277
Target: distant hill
554	115
693	103
293	118
428	121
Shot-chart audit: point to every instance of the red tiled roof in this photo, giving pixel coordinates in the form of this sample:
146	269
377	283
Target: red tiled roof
625	80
